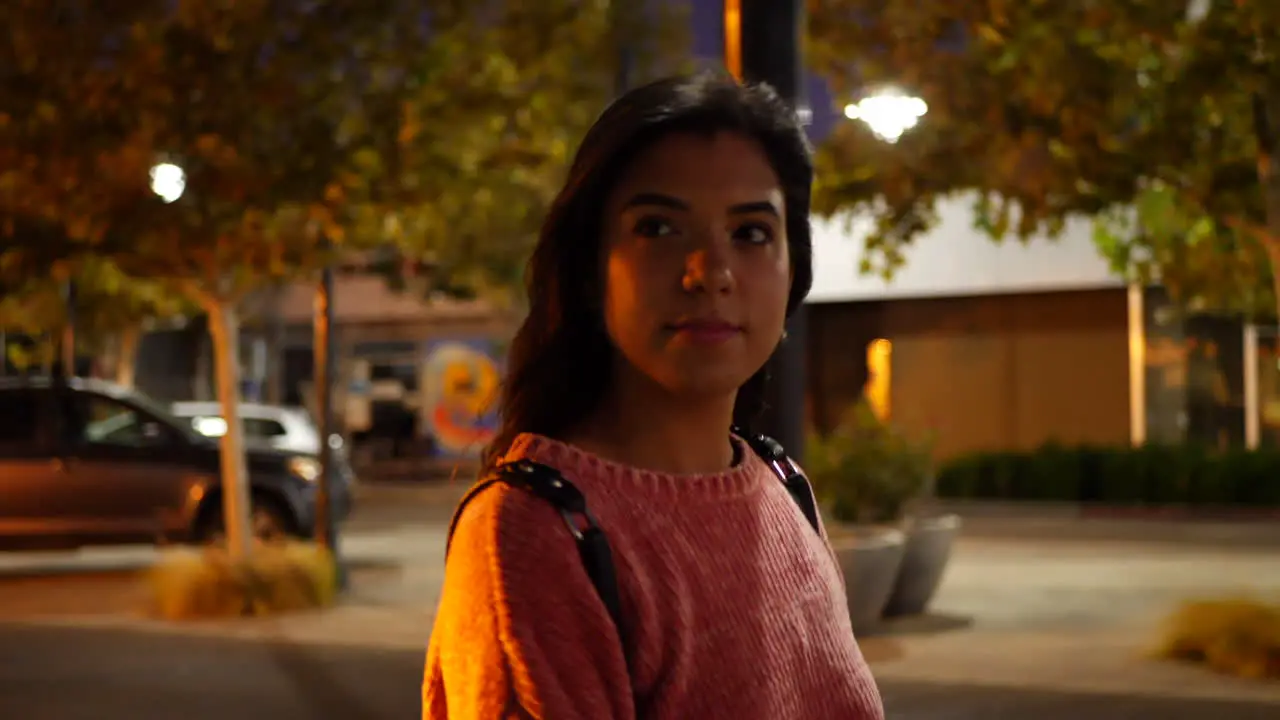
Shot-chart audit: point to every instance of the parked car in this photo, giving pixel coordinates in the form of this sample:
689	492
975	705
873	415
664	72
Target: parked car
288	429
85	462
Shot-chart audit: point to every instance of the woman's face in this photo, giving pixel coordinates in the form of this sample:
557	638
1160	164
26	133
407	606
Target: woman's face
696	267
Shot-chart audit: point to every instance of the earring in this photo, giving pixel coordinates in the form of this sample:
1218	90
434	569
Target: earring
784	335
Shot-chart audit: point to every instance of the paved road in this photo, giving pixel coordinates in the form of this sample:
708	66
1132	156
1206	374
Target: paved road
72	674
59	673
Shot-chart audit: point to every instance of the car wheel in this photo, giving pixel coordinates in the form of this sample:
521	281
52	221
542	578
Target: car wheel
268	521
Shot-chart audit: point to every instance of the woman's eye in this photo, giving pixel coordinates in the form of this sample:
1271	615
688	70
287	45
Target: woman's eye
653	227
754	234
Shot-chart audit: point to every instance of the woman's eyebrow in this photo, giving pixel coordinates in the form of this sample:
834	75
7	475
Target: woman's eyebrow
760	206
674	203
659	199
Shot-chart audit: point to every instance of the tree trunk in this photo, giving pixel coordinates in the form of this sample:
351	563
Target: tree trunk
224	328
1266	113
126	364
1273	254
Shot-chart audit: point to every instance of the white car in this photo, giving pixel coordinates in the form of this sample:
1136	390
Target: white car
284	428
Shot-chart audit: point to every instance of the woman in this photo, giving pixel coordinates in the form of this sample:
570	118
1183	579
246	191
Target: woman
659	288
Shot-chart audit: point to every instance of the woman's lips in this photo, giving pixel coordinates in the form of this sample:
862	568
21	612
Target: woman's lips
707	331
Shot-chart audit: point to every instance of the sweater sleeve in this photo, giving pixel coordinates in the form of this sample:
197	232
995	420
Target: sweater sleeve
520	631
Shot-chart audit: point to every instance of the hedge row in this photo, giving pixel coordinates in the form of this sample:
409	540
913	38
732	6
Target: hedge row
1154	475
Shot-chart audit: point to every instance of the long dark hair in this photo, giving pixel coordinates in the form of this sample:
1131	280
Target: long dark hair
560	361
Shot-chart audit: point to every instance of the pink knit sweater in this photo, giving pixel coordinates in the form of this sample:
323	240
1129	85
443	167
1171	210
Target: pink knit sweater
732	606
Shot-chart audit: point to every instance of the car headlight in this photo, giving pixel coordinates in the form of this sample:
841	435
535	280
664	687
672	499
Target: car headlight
214	427
304	467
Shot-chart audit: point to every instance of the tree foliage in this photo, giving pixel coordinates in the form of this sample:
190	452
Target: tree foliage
107	303
305	129
1153	116
440	127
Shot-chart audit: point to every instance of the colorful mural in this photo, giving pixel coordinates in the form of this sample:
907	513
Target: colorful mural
460	379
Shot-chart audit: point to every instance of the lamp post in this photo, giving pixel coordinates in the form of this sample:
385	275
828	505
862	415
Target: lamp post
68	361
763	41
325	358
618	17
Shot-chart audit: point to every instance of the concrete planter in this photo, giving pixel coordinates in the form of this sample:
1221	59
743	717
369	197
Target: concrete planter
870	559
924	562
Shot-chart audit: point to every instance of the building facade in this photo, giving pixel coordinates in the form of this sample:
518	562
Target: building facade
1011	345
981	345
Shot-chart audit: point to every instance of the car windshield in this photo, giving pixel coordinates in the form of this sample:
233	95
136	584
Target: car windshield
122	422
155	407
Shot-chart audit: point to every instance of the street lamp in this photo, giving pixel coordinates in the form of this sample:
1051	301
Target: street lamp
1197	10
168	181
889	113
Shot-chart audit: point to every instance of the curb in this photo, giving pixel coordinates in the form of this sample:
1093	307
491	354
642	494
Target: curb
1096	662
1072	522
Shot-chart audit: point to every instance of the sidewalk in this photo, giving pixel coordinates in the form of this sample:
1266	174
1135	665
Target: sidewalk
1064	616
1088	662
410	547
396	578
1075	616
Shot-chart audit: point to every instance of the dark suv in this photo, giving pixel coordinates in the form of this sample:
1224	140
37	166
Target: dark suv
84	462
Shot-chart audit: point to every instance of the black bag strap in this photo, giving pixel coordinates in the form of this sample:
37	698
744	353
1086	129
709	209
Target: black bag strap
549	484
797	485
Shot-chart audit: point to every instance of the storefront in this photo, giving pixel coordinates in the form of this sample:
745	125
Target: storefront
978	344
1010	345
1208	379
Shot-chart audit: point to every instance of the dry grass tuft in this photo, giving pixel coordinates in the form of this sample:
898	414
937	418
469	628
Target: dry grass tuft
1236	636
206	583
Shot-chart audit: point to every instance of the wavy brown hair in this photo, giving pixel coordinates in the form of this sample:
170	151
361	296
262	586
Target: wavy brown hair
561	359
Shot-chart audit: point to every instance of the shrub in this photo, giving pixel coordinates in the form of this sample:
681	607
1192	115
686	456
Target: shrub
1237	636
1152	475
865	470
278	577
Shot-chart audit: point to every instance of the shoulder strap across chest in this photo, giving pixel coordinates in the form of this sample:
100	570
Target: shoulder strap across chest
772	452
548	484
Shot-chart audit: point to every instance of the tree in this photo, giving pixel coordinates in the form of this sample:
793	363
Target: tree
1159	119
110	310
487	128
301	130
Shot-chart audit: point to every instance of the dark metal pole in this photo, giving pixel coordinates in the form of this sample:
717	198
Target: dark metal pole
626	56
274	386
69	331
325	360
772	37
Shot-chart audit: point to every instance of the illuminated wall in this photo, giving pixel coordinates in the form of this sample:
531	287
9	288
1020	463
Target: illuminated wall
879	378
956	260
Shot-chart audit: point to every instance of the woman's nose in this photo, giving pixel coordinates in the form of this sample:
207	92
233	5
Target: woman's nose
707	269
